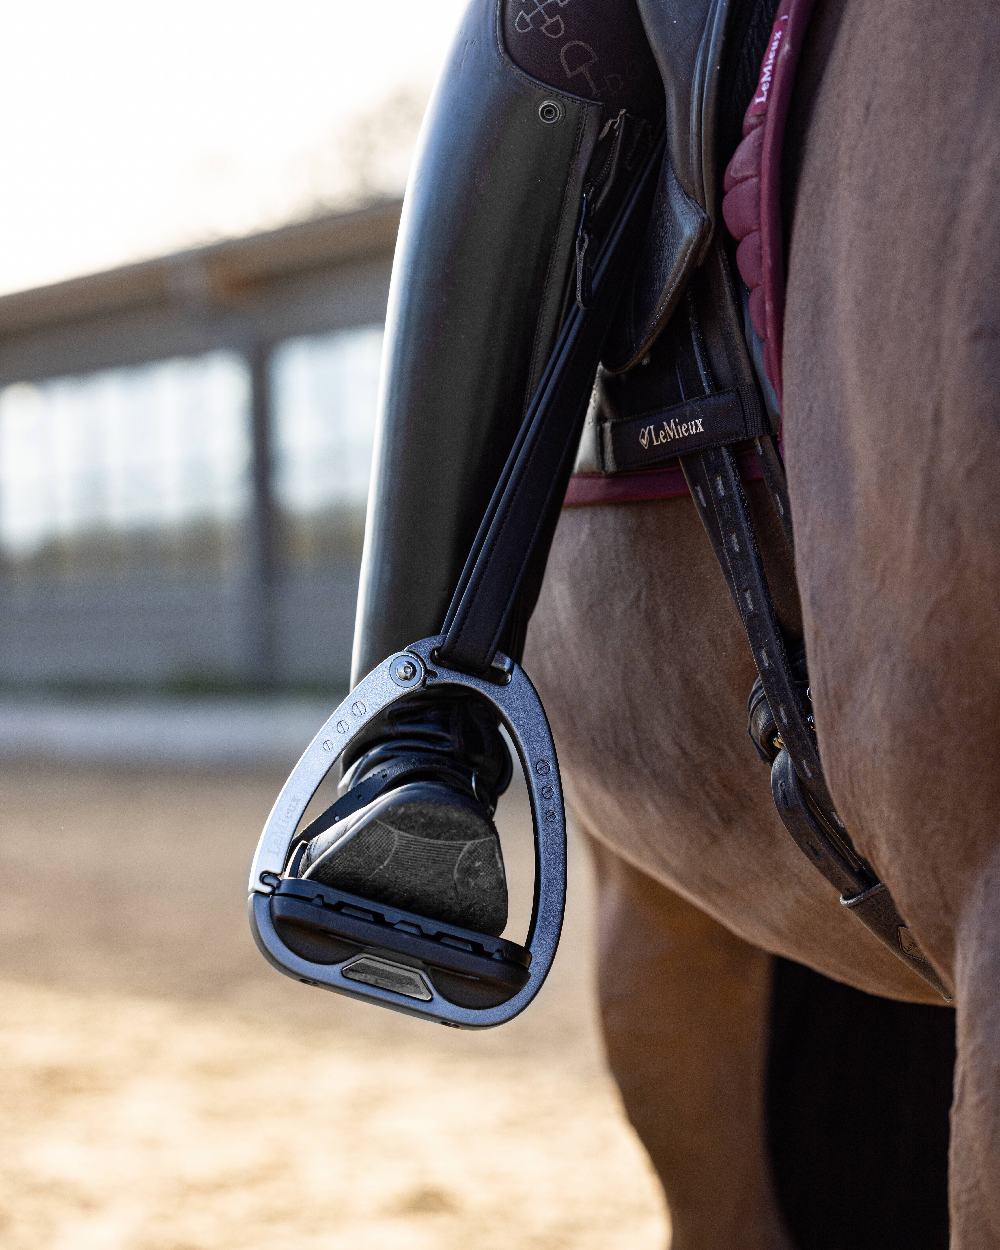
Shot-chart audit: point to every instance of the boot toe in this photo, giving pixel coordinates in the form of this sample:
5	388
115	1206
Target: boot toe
422	847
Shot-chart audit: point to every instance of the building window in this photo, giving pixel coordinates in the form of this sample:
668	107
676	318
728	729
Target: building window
325	390
126	468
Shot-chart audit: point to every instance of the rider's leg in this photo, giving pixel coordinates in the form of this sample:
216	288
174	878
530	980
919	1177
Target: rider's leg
483	275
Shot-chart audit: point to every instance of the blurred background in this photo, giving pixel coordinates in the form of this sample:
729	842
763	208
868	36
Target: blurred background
199	211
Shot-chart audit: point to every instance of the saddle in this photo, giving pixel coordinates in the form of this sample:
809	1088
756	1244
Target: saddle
768	42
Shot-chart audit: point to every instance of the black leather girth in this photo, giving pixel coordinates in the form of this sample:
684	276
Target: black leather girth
797	782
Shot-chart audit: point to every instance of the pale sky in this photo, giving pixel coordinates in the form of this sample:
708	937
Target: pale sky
136	128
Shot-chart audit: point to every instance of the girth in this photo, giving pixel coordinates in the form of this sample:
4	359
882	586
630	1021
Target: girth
685	389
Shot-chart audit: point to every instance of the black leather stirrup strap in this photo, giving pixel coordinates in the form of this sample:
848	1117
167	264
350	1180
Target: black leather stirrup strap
534	478
797	781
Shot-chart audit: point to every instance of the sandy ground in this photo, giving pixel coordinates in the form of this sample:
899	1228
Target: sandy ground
165	1090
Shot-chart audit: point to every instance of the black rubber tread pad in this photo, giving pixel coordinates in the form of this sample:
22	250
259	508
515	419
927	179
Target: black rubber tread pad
327	926
424	848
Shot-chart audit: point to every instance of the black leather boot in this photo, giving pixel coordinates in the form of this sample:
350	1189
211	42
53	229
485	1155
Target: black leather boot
424	840
514	180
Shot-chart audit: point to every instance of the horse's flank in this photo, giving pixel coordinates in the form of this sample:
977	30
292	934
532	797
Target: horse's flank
892	377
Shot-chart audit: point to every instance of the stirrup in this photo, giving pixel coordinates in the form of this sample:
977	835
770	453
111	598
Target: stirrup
381	954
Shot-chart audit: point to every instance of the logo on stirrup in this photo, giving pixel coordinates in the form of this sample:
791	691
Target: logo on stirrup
550	24
653	436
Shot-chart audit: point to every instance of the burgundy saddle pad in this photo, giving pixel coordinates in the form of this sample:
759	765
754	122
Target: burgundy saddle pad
751	205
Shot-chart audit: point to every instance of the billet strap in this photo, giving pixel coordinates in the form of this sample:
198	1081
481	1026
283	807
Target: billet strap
797	782
752	211
533	481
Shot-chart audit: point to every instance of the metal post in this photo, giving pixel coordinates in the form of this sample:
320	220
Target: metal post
263	561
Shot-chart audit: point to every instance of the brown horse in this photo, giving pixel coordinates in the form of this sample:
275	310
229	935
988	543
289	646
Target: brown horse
892	396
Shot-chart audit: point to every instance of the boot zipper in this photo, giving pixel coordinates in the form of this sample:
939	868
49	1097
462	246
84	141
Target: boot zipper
605	164
584	269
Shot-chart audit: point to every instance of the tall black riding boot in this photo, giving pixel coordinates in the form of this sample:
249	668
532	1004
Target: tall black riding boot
542	109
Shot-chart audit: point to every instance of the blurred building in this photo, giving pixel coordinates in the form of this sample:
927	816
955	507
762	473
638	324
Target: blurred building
184	454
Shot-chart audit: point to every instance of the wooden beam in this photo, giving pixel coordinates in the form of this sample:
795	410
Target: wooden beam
313	277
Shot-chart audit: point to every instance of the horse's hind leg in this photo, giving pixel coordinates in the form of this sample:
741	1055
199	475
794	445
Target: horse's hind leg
685	1011
975	1145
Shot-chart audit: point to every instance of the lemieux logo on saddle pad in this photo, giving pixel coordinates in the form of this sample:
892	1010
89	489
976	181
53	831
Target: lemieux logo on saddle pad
652	437
759	102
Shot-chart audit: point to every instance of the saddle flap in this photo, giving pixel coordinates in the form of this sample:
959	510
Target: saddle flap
678	232
687	41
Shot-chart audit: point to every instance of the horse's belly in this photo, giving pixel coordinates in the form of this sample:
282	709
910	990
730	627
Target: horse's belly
644	671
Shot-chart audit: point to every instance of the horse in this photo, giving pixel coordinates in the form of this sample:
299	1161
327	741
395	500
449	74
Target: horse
891	403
